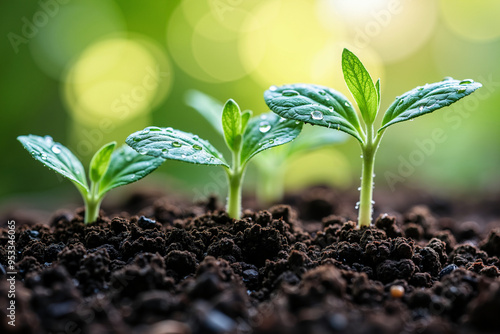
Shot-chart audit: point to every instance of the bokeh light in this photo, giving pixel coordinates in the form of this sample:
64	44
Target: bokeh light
117	79
395	29
71	27
477	20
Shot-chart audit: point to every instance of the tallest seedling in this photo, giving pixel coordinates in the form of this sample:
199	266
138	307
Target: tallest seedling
319	105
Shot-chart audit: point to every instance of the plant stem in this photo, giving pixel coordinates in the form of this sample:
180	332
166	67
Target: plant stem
92	204
366	194
235	180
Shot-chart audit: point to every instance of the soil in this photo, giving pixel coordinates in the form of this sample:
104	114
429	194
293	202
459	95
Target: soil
167	267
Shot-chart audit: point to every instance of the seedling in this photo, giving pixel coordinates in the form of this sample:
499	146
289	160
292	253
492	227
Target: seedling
109	168
244	136
271	164
323	106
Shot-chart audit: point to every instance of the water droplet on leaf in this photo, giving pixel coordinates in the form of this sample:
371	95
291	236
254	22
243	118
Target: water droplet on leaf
290	92
264	127
197	147
48	140
273	88
145	131
196	138
164	153
44	156
316	115
143	151
461	90
347	104
56	149
176	144
466	82
169	130
321	92
421	108
271	141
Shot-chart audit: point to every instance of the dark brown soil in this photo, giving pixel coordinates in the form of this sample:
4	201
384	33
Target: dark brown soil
169	268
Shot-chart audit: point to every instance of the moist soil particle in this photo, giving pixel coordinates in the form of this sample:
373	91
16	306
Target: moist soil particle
166	268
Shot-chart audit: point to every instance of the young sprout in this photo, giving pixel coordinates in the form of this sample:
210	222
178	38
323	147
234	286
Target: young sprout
271	164
244	136
109	168
323	106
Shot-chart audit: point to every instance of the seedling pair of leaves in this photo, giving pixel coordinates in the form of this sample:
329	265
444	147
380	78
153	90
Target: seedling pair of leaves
109	168
326	107
245	137
270	164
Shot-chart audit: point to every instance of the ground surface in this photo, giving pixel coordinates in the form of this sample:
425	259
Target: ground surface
169	268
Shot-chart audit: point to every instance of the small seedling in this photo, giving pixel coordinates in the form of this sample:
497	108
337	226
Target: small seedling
323	106
271	164
109	168
244	136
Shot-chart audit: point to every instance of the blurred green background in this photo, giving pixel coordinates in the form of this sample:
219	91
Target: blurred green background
90	71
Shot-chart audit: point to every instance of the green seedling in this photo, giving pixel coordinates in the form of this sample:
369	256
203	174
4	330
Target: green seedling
323	106
271	164
244	136
109	168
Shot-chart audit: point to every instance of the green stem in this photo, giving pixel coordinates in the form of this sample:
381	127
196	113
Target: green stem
235	180
92	204
369	150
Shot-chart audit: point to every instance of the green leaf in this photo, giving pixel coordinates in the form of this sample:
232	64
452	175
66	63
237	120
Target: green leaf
245	117
426	99
377	86
206	106
266	131
127	166
317	105
174	144
57	157
360	85
100	162
231	123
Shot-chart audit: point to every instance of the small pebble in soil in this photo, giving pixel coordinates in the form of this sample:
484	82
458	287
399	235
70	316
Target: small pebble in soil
146	223
447	270
397	291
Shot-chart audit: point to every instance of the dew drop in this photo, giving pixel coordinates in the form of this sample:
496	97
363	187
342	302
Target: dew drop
169	130
176	144
466	82
143	151
145	131
44	156
347	104
357	206
136	139
196	138
401	101
359	188
290	92
316	115
282	119
331	110
297	122
447	78
197	147
132	176
321	92
271	141
183	156
420	88
48	140
154	128
263	116
164	153
56	149
361	156
421	108
264	126
273	88
461	90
